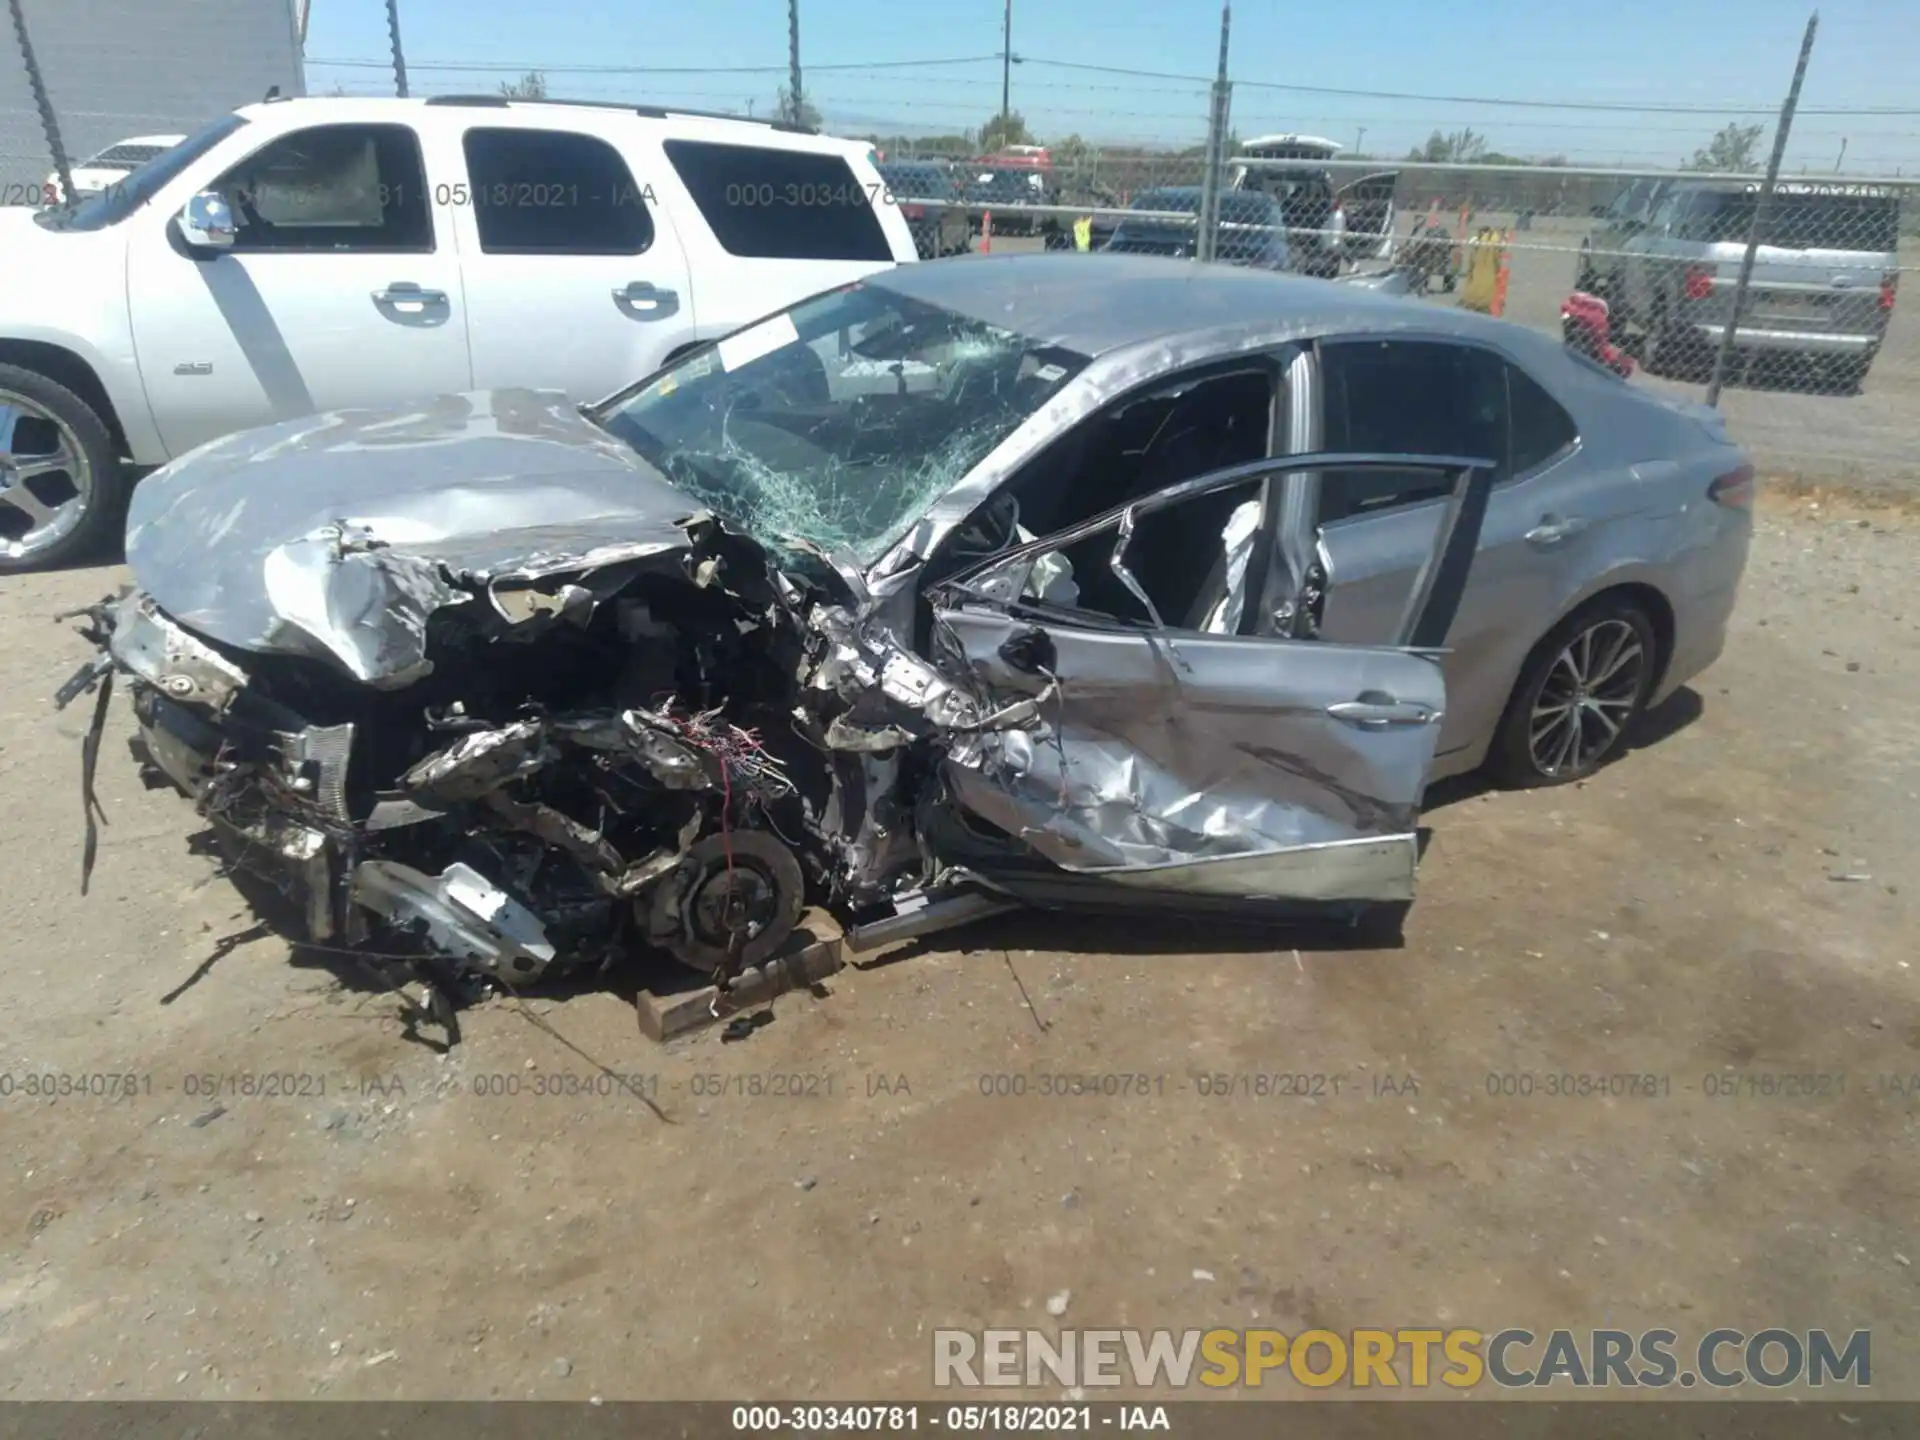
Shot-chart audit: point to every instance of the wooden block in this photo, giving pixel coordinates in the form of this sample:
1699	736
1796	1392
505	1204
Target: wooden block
811	954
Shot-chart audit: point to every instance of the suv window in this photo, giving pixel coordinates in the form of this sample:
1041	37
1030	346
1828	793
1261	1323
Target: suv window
1799	219
780	204
1542	430
553	192
332	187
1406	397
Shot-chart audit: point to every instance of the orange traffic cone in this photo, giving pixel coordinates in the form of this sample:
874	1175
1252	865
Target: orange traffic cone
986	233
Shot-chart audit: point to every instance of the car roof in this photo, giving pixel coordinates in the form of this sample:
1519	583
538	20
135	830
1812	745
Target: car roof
1096	304
346	109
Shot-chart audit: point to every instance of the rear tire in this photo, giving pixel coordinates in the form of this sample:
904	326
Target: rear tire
1593	670
75	507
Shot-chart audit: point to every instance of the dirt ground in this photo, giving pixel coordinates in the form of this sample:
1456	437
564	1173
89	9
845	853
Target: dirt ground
1733	901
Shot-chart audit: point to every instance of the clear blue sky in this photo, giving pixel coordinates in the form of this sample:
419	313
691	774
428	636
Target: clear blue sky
1718	54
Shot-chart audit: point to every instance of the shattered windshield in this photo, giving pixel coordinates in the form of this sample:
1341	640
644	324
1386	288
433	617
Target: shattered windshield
840	421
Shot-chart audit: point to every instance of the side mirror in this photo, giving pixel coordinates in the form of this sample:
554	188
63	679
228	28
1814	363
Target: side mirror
206	222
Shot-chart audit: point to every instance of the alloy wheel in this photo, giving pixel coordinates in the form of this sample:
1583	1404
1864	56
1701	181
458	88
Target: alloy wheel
45	479
1589	693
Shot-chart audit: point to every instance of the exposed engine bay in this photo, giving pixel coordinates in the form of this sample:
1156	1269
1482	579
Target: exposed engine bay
674	750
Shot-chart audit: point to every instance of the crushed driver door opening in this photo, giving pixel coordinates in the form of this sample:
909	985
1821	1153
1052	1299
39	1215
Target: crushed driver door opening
1177	757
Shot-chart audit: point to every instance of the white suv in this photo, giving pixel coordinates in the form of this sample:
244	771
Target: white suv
300	256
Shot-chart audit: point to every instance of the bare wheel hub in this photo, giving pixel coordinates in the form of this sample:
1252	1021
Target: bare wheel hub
731	904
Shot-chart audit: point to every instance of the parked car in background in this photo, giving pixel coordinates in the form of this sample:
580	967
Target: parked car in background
1330	223
1602	251
112	165
1131	585
1823	288
928	195
1002	188
306	255
1252	229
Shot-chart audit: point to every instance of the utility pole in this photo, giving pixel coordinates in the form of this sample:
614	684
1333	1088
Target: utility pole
1763	203
1360	140
794	91
1206	243
399	59
1006	73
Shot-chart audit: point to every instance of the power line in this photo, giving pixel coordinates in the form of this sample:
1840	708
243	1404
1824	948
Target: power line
1616	106
520	69
981	84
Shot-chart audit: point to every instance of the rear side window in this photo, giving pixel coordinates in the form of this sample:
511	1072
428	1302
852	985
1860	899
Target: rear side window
780	204
1542	430
1406	398
1799	219
553	192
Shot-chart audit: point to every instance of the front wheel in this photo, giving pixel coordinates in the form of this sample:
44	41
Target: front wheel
1580	692
61	486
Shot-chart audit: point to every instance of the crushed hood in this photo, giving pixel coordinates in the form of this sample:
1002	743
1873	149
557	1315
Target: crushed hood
338	534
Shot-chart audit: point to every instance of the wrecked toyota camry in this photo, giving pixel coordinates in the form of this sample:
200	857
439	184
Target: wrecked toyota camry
840	610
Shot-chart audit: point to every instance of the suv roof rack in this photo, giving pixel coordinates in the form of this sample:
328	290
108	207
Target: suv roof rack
651	112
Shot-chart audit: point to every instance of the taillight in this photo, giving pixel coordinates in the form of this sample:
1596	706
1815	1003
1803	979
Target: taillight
1699	282
1733	489
913	212
1889	287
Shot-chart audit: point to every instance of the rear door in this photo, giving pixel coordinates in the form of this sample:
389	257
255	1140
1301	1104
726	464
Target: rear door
1187	753
1376	527
575	279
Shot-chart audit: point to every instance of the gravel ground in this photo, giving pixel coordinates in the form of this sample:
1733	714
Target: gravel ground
1730	902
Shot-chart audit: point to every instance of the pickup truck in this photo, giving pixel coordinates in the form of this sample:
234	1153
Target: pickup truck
310	255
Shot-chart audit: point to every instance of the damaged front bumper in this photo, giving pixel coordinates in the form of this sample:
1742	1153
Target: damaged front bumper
273	789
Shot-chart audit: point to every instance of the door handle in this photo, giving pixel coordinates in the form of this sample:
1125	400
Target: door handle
648	298
1374	711
405	292
1552	529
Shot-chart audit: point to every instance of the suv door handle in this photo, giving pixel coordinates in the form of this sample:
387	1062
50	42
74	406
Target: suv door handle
405	292
651	300
1375	711
1552	529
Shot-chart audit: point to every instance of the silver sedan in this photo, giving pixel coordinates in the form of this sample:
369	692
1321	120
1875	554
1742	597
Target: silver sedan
1072	580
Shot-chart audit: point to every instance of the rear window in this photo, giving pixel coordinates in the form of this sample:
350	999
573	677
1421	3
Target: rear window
124	157
1800	220
919	181
780	204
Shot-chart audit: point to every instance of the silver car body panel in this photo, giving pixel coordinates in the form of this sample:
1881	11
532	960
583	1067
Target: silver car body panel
1206	762
340	534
